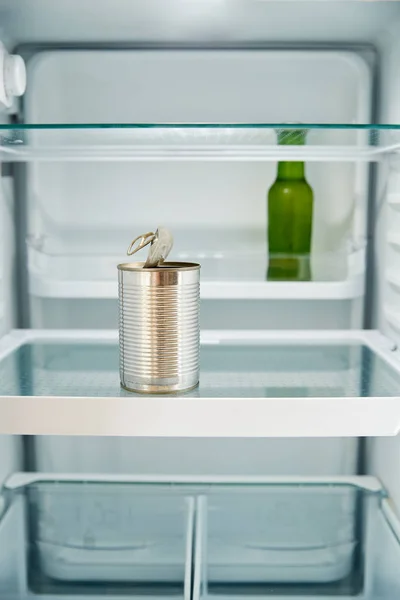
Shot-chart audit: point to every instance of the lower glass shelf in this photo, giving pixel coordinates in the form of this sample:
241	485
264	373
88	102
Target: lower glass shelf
252	384
65	536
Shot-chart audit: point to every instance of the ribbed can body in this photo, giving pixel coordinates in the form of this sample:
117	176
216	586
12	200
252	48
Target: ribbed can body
159	327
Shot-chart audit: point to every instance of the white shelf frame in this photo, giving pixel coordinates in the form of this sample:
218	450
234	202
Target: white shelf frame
214	152
171	416
43	287
19	480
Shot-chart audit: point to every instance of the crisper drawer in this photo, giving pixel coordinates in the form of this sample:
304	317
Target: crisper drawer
77	537
73	537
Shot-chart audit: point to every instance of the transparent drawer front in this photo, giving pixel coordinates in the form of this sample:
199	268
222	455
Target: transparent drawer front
73	539
80	538
295	540
281	536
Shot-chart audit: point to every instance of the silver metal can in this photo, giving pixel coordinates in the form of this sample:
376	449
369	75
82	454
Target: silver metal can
159	327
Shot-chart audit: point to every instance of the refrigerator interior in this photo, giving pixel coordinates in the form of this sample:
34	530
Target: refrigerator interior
71	253
66	223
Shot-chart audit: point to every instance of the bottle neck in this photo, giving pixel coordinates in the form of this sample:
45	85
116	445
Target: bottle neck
290	170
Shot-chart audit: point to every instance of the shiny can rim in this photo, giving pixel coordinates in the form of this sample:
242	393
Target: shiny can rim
165	267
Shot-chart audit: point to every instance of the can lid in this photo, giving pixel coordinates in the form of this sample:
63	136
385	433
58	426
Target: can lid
161	243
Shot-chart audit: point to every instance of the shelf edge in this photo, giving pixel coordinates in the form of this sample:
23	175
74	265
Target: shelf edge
42	287
200	418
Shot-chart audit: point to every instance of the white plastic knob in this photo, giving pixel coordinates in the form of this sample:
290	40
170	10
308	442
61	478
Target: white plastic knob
14	75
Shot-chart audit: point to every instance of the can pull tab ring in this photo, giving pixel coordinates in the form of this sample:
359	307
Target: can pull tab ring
144	240
161	243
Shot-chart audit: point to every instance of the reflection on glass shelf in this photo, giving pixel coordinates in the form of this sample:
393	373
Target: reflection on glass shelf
233	265
195	141
228	370
70	536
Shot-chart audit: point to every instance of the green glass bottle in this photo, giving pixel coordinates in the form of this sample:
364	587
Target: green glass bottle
290	211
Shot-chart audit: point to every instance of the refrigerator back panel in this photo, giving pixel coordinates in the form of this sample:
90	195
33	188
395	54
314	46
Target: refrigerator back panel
217	209
201	21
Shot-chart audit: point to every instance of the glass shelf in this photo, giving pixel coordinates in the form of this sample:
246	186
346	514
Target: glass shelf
79	536
196	141
252	384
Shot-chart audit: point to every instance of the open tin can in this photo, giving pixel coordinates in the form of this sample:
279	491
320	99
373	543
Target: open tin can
159	326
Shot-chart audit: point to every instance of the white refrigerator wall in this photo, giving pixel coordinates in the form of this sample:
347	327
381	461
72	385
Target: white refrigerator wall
386	225
384	453
7	256
10	446
197	456
212	21
82	216
10	457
